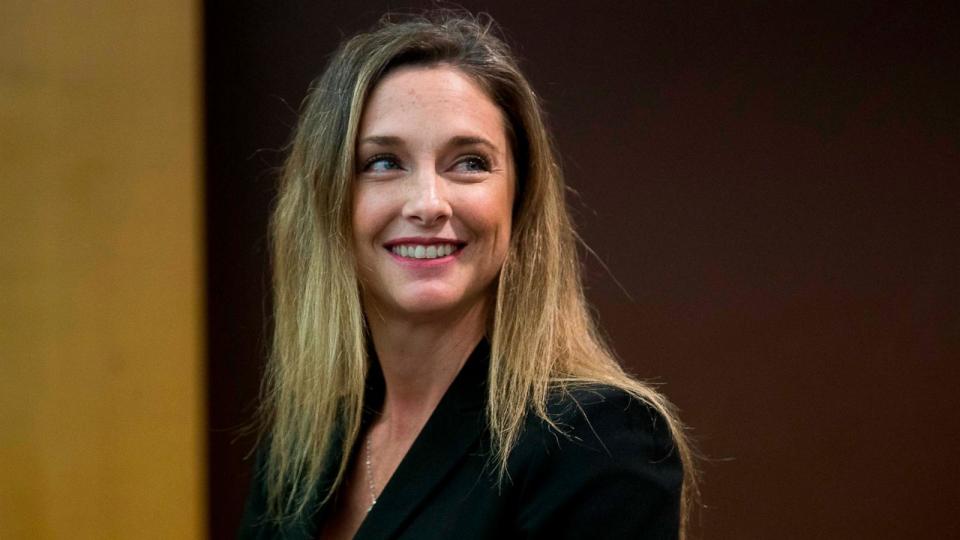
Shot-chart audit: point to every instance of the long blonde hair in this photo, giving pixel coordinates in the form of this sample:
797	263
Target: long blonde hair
542	337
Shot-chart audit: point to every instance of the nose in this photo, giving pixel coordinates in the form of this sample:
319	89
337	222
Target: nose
427	204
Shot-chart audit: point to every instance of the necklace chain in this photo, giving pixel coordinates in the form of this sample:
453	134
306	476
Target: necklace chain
369	471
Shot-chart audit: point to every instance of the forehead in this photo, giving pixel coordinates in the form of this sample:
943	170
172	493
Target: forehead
412	100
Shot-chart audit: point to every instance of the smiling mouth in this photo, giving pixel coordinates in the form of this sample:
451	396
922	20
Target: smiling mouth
421	251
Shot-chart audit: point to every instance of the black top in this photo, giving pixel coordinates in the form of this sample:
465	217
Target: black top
612	473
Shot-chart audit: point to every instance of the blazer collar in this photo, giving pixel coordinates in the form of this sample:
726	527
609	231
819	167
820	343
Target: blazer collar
448	435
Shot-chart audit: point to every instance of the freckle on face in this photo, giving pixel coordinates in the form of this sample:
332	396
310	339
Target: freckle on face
428	194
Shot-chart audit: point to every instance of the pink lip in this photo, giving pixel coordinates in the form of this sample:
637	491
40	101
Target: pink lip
424	263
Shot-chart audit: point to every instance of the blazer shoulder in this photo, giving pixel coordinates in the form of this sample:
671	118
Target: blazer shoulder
608	418
607	465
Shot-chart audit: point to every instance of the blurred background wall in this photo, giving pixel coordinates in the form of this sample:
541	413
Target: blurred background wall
774	185
101	339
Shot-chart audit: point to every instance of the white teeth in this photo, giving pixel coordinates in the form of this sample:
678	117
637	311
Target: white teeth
423	252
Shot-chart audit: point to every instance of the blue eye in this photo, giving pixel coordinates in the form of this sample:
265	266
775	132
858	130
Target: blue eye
473	164
381	164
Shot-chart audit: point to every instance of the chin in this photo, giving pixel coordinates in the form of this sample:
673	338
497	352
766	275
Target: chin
425	301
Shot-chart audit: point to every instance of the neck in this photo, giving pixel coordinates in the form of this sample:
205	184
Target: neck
420	359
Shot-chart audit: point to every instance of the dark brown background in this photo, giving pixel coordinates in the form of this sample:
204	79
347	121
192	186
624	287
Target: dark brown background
774	186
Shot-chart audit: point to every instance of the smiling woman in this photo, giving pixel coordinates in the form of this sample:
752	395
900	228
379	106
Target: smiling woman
433	197
435	371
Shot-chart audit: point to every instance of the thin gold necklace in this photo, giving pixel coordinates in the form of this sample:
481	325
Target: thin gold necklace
369	471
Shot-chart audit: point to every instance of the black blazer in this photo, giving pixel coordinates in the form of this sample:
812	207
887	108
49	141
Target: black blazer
612	473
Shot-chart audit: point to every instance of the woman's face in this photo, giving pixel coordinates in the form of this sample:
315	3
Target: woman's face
433	194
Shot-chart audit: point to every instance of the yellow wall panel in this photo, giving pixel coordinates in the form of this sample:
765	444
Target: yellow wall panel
101	403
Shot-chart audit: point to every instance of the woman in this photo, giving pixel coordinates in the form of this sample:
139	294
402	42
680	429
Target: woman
435	371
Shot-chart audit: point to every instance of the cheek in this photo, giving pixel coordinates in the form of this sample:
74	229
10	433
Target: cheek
369	215
489	214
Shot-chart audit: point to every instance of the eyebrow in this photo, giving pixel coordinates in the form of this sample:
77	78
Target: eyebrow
382	140
459	140
470	141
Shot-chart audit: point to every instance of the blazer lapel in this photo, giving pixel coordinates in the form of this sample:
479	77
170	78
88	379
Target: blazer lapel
451	431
